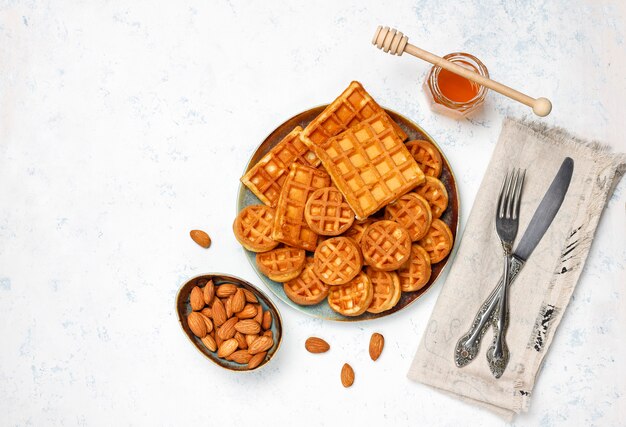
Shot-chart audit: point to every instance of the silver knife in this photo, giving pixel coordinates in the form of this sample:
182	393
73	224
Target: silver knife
468	345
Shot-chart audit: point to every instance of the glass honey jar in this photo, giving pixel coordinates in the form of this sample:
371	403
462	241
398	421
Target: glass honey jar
451	94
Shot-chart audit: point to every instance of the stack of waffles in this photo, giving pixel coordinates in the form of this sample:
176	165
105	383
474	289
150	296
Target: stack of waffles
350	211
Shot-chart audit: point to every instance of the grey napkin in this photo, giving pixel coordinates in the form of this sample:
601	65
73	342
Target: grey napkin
542	289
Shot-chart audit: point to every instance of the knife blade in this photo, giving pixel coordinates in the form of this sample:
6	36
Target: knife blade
468	345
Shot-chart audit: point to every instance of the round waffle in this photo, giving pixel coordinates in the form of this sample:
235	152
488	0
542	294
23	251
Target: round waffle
386	245
438	241
386	288
337	260
327	213
435	192
427	157
281	264
353	298
412	212
415	273
357	230
307	288
253	228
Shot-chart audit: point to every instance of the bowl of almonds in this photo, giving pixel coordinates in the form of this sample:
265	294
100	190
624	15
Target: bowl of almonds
231	322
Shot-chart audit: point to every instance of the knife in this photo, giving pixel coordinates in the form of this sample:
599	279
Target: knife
468	345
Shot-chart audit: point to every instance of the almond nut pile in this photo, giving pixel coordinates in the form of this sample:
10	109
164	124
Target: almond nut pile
229	319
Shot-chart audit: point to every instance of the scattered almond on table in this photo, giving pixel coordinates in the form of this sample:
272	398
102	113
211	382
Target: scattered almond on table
316	345
347	375
201	238
230	321
377	342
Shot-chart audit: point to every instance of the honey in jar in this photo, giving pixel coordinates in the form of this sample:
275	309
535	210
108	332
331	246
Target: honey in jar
451	94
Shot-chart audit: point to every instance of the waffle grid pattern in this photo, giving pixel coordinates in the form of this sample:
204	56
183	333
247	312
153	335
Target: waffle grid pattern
267	177
290	226
427	157
337	260
307	288
436	194
253	228
438	241
386	245
327	213
281	261
353	298
412	212
386	290
354	105
415	273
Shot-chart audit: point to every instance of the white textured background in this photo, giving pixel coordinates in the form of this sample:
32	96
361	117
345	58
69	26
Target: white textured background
123	125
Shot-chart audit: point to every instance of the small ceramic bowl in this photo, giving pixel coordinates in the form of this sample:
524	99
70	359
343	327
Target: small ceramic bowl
183	308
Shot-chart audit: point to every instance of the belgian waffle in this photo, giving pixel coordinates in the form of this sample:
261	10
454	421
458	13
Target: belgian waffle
386	245
438	241
327	213
307	288
435	192
281	264
416	272
267	177
370	165
253	228
290	227
353	106
337	260
412	212
427	157
353	298
386	287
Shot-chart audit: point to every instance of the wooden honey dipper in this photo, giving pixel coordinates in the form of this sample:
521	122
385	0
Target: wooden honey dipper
393	41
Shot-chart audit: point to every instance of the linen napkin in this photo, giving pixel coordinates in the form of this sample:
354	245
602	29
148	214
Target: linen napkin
543	288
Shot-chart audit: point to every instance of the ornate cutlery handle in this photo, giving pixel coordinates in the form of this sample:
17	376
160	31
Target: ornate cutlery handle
498	353
468	345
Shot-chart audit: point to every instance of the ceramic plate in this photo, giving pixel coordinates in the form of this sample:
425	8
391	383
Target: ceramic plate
450	216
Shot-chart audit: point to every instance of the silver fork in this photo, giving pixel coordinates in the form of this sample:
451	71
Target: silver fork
507	221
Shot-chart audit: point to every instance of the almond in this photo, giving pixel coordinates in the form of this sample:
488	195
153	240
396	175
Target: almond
228	305
241	339
196	324
316	345
259	314
219	312
240	356
267	320
248	312
208	292
250	339
227	348
225	290
260	344
209	343
227	330
196	299
377	342
239	301
217	338
347	375
248	327
250	297
268	333
207	322
201	238
207	312
256	360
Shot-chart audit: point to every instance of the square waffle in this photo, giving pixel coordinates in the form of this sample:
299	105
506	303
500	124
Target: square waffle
353	106
290	226
267	177
370	165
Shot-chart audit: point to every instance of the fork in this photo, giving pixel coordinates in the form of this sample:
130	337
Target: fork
507	221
